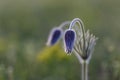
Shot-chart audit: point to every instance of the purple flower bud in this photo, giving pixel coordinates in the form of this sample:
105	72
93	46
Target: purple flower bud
69	39
54	36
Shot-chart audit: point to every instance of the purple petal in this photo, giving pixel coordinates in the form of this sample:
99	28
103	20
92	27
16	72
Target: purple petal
54	36
69	39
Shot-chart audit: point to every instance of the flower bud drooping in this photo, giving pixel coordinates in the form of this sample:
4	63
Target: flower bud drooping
54	36
69	39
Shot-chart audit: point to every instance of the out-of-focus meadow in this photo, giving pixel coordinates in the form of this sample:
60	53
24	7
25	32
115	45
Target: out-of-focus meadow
24	28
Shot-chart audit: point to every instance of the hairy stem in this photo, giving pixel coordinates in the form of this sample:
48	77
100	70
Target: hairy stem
84	70
64	24
84	66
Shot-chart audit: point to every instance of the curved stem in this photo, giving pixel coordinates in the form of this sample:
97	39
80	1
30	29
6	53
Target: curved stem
84	71
66	23
79	21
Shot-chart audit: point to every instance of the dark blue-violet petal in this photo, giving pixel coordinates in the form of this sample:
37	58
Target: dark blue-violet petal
69	39
54	36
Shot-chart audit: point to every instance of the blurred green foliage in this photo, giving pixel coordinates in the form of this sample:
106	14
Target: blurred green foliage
25	25
56	65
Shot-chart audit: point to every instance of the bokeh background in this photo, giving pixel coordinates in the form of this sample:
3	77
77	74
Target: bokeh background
24	28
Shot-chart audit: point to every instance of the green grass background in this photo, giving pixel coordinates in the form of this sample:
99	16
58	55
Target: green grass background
24	28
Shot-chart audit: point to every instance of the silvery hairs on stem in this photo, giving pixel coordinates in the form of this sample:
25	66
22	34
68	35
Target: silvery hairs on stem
75	39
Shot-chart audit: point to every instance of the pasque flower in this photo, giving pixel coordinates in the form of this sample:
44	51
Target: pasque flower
84	43
76	40
54	36
69	39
